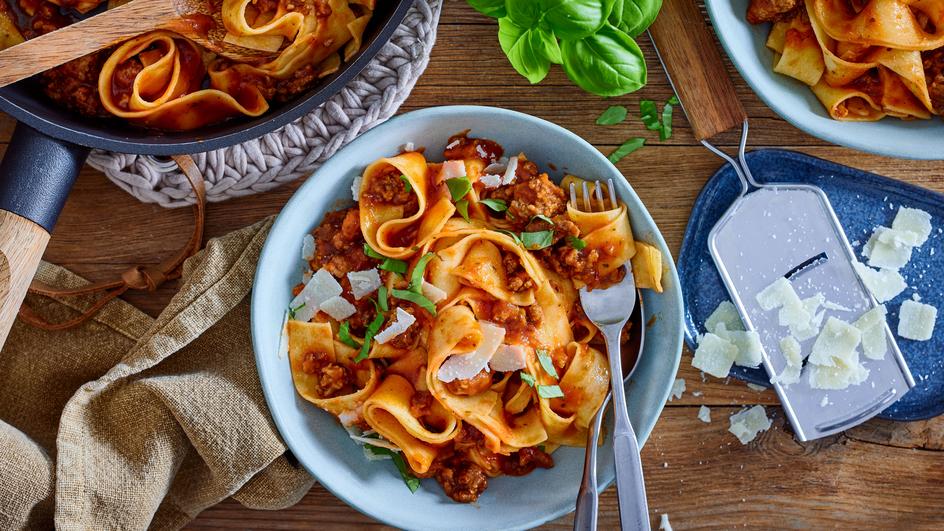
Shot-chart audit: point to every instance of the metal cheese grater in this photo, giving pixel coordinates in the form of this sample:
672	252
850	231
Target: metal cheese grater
787	230
791	230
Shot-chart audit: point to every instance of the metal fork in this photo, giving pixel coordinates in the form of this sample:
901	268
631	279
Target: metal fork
609	309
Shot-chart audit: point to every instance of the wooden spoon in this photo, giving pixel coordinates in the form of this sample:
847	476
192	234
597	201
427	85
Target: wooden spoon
197	20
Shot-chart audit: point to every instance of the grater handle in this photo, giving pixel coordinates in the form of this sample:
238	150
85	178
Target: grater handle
690	57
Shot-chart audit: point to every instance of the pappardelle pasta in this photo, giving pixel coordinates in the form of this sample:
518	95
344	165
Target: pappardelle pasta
863	59
438	319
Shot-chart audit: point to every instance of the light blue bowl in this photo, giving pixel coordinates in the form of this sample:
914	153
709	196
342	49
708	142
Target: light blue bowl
316	438
795	102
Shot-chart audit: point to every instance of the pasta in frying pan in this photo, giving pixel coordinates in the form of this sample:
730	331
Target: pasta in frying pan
863	59
439	320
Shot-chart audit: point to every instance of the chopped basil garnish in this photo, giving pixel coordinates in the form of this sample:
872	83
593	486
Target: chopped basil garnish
372	330
649	115
406	182
416	298
537	240
462	206
394	266
416	278
372	253
576	242
511	235
344	334
666	131
547	363
498	205
613	115
458	187
411	481
628	147
291	311
544	218
527	378
382	298
550	391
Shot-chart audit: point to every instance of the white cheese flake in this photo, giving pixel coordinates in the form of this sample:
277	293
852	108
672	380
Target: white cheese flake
462	366
356	187
885	284
490	180
509	358
406	148
793	355
338	308
678	388
872	325
779	293
836	344
839	377
404	320
452	169
914	222
308	247
319	289
704	414
916	320
725	314
509	176
887	249
749	349
715	355
664	524
363	283
747	423
433	293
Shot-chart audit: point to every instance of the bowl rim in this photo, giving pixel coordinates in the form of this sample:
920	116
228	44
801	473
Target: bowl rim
827	131
625	191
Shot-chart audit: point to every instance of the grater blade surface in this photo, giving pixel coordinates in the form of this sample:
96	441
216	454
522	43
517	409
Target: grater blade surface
792	230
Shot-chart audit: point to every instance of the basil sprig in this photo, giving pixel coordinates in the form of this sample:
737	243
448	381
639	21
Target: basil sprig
414	292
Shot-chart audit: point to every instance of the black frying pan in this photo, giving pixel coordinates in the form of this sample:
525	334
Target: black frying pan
50	145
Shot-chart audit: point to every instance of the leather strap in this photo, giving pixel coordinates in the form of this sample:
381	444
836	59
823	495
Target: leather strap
139	277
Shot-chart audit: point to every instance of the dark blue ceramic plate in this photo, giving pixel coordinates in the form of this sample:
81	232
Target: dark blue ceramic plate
862	201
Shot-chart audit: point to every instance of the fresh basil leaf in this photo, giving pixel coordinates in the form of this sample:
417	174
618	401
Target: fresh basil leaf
674	100
524	13
537	240
393	265
545	41
634	16
576	243
550	391
411	481
543	218
649	115
462	206
344	334
613	115
489	8
525	49
372	253
372	330
498	205
576	19
458	187
527	378
628	147
406	182
547	363
607	63
382	298
511	235
416	298
665	132
416	277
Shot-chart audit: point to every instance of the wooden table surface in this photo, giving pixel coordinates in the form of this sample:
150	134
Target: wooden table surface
880	475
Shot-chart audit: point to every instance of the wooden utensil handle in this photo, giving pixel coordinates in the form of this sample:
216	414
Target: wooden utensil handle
22	244
82	38
695	68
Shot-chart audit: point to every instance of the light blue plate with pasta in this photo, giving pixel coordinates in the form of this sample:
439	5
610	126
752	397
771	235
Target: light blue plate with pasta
321	444
795	102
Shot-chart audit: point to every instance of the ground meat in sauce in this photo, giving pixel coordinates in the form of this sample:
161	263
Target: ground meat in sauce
461	480
518	279
461	146
389	188
509	316
331	378
339	244
421	404
471	386
411	337
934	73
524	461
760	11
530	197
74	85
580	265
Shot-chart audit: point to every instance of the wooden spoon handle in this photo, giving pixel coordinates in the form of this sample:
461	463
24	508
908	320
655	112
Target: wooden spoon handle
22	243
695	68
82	38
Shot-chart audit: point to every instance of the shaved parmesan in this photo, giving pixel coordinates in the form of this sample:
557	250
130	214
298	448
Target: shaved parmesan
838	307
403	322
779	293
747	423
715	355
886	249
509	358
916	320
409	146
497	167
349	417
791	351
872	318
914	223
704	414
308	247
356	188
749	349
874	342
433	293
490	180
319	289
466	365
836	344
839	377
725	314
885	284
678	388
509	175
452	169
379	443
664	524
338	308
363	283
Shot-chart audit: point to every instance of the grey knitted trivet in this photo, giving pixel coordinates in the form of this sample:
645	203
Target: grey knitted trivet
299	148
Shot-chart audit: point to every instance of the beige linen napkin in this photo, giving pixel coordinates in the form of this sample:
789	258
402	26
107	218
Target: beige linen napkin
130	422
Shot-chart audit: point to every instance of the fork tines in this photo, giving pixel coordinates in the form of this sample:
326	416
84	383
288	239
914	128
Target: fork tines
587	198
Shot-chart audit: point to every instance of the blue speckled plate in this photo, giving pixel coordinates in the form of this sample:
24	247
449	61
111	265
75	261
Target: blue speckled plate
862	201
317	439
795	102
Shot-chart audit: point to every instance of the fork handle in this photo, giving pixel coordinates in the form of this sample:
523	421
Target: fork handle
630	486
588	497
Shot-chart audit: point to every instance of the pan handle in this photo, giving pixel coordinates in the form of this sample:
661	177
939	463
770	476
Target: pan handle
36	175
695	68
